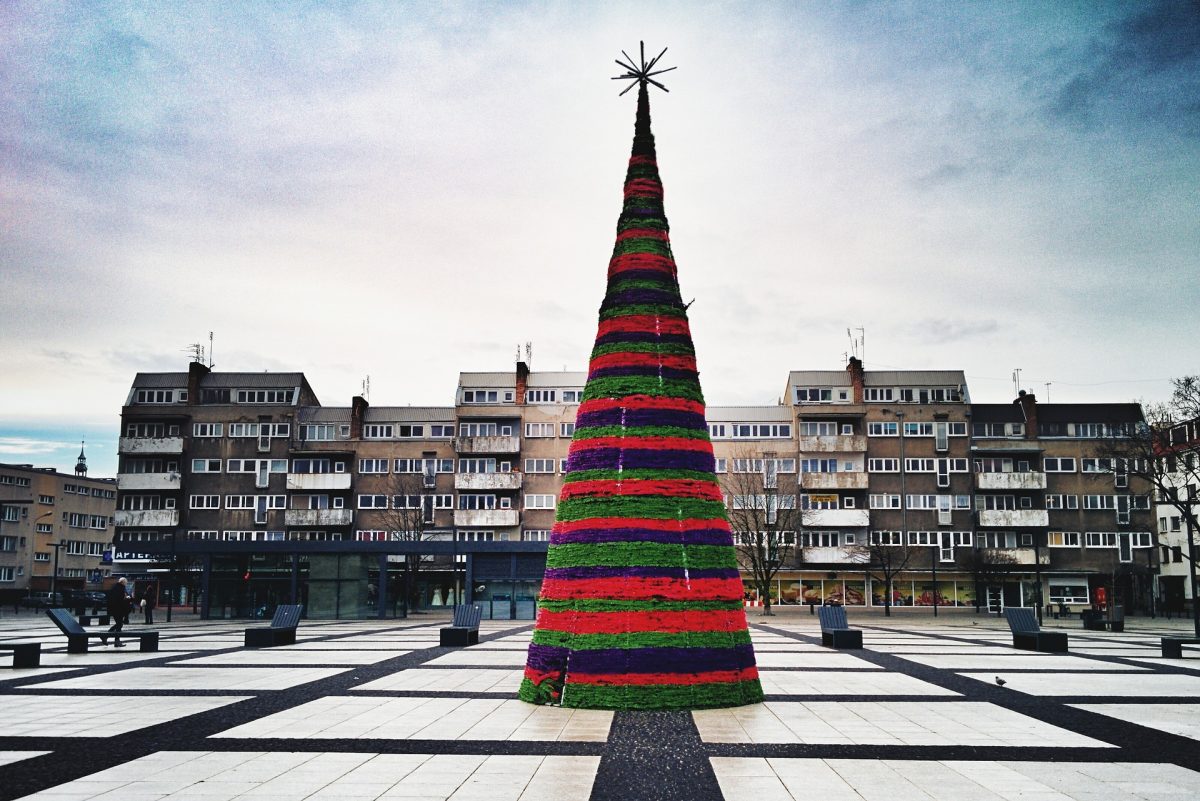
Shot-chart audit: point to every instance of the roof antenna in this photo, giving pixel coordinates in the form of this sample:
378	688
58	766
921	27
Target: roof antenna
1016	377
366	388
1048	383
529	354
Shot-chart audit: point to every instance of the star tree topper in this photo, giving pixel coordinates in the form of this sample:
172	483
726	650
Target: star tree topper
643	74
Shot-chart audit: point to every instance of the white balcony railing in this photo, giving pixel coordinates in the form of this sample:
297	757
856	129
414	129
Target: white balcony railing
151	445
487	481
318	481
836	518
307	518
840	555
1014	518
833	444
1010	481
811	481
164	482
487	445
486	518
146	518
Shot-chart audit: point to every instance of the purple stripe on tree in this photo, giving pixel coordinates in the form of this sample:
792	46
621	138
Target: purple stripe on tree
636	418
649	370
648	660
636	459
643	336
637	297
707	536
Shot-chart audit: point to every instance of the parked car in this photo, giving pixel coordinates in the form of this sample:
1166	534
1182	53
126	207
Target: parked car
42	600
87	598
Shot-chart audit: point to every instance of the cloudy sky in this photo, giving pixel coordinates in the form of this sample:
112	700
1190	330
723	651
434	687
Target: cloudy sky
407	190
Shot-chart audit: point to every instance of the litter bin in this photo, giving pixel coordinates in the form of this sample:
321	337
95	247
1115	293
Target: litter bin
1117	622
1093	619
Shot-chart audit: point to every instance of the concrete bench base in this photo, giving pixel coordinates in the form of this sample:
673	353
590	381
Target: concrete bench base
1051	642
458	637
269	637
101	620
78	643
1172	647
25	654
841	638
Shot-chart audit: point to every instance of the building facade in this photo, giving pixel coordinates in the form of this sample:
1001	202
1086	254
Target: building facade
255	493
1178	452
55	531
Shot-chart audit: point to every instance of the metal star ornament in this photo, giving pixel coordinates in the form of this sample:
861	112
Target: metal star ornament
641	75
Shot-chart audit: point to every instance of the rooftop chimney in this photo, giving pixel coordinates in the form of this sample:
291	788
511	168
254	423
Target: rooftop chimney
358	410
855	369
1028	403
196	371
522	380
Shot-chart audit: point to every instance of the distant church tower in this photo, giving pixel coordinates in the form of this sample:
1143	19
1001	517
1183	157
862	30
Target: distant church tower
81	462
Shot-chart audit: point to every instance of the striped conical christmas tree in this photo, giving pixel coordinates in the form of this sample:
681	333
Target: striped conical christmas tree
641	605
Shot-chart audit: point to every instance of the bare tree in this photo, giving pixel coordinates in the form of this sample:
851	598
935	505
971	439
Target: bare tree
986	566
763	516
409	518
884	562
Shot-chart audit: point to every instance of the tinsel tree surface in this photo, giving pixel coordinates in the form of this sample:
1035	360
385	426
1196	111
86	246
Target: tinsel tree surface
641	605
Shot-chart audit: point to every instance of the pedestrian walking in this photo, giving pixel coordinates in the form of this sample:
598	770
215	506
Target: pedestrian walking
118	609
149	597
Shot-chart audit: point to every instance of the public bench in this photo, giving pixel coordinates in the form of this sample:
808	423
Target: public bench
1172	647
78	636
1028	635
464	628
25	654
835	631
282	630
102	618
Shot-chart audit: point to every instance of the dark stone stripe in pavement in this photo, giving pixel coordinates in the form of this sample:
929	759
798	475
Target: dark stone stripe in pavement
655	756
1134	743
75	757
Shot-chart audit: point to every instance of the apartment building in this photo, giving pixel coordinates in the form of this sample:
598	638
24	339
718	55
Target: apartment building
369	510
1178	451
55	529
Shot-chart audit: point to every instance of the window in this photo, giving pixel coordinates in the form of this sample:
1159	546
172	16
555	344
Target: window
997	430
1062	501
472	501
572	395
887	538
1059	464
407	431
372	501
155	396
475	536
883	465
373	466
208	429
918	429
883	429
1099	502
1100	539
813	394
920	465
539	501
480	396
761	430
720	466
535	535
717	431
1062	539
206	465
956	429
426	466
818	465
818	429
477	465
377	431
883	501
923	538
810	502
996	539
1097	466
8	574
540	395
566	429
265	395
46	500
243	429
204	502
539	465
539	429
145	431
995	502
1068	591
878	394
441	430
316	432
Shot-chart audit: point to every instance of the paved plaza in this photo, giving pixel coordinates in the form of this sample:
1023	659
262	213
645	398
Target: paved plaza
375	709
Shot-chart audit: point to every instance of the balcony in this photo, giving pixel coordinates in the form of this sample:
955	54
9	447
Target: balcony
833	444
318	481
146	518
150	445
155	482
486	518
842	555
487	481
487	445
310	518
819	481
1010	481
1014	518
837	518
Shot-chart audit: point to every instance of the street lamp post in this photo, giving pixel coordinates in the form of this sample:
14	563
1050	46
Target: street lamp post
57	546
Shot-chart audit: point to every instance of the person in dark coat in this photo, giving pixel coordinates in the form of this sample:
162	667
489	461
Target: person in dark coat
118	608
149	597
